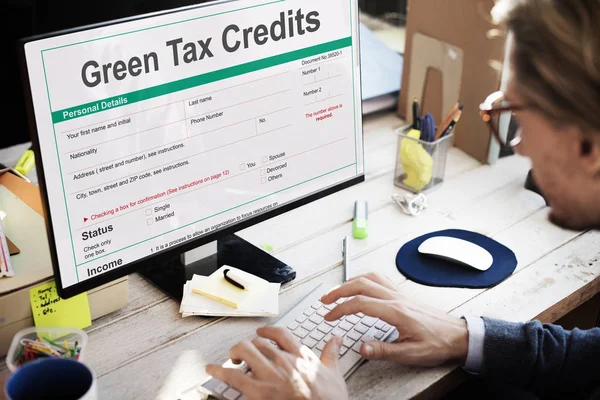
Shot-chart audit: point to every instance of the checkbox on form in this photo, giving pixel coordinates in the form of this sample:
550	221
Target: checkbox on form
262	172
148	212
265	159
150	221
242	166
263	180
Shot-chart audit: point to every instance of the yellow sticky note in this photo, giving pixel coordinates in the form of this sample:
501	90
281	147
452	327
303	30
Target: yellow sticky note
50	310
218	289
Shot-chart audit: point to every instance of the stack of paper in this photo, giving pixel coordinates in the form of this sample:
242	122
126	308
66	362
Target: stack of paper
214	296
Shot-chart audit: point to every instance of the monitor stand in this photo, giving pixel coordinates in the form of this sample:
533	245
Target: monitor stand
170	275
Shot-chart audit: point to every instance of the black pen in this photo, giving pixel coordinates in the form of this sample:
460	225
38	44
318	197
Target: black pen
416	114
232	281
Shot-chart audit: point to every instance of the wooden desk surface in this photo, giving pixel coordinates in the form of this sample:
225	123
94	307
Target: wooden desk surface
147	350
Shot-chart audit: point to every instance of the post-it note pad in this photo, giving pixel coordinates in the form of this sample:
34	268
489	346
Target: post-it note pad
217	288
51	310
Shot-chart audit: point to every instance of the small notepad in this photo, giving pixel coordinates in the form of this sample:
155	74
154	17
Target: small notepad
213	295
215	287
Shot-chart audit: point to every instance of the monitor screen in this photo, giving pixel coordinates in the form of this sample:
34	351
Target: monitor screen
159	133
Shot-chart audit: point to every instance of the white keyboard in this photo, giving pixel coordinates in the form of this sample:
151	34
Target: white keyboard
305	321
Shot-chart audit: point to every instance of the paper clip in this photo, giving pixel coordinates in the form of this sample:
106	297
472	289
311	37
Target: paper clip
411	204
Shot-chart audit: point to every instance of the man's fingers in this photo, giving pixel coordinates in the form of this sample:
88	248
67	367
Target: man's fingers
282	337
233	377
359	286
277	356
382	351
378	278
330	355
256	361
404	353
382	309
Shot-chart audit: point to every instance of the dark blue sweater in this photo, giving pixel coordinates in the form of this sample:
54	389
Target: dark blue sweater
544	359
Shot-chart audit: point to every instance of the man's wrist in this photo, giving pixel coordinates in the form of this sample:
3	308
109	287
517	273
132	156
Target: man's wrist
460	343
476	332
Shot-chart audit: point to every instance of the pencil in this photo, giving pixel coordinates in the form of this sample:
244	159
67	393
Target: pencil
452	124
446	121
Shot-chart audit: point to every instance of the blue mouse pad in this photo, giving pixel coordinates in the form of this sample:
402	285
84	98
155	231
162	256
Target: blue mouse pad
431	271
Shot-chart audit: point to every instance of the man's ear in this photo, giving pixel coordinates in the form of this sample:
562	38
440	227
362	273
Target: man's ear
589	153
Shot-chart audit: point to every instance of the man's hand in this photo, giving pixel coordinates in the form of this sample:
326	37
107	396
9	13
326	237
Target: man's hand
428	337
291	372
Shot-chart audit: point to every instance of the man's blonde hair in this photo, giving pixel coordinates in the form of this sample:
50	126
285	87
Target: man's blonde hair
556	57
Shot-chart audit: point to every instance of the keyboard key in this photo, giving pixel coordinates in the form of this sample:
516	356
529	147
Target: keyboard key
327	337
330	306
360	315
317	335
231	394
340	301
214	385
348	342
338	332
321	345
333	323
368	321
343	350
301	332
309	326
309	342
361	328
322	311
379	335
386	327
370	335
354	335
345	326
221	388
356	347
293	326
353	319
324	328
315	319
379	324
317	305
317	352
309	312
301	318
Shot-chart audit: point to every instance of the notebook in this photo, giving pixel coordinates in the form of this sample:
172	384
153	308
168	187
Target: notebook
214	296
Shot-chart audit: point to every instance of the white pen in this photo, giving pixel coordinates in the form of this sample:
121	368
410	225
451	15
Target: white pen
346	254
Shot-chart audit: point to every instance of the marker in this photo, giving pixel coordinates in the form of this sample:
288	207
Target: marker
26	162
360	223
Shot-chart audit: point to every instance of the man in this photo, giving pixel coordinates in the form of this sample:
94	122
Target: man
554	93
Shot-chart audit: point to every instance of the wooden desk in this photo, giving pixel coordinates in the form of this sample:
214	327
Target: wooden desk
147	350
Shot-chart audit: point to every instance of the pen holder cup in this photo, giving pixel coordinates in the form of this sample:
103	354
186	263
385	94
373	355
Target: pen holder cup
420	165
33	343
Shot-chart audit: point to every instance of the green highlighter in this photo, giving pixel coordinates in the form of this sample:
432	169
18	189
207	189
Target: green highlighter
360	224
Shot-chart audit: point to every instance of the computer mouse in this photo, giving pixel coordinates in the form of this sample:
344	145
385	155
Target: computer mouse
458	251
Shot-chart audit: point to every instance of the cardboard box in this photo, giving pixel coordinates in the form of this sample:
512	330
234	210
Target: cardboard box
457	25
24	225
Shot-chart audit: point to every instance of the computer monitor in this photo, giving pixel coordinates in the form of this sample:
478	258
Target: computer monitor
26	18
157	134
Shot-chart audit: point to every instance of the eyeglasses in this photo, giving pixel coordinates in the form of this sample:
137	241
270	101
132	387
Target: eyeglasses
497	113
